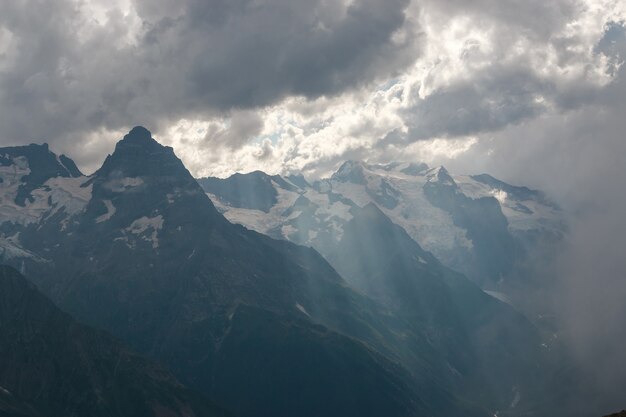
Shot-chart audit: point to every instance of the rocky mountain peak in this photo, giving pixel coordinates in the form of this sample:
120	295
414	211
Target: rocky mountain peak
31	166
440	175
350	171
139	154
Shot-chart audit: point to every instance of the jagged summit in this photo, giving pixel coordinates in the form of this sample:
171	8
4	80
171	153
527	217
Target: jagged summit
298	180
253	190
407	168
519	193
14	150
354	171
140	138
350	171
440	175
143	179
139	132
139	154
30	167
40	160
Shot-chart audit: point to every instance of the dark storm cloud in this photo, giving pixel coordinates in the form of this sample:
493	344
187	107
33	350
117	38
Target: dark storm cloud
247	53
56	82
490	101
495	98
64	76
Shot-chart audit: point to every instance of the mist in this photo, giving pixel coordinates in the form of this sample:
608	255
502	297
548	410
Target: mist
579	159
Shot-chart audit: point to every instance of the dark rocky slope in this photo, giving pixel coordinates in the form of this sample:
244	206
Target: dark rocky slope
53	366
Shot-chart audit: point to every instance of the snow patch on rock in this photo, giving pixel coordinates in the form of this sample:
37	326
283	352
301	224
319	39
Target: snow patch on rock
147	224
119	185
302	309
110	211
56	194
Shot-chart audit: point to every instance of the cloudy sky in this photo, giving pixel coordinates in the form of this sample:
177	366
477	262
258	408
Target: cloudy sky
282	85
531	91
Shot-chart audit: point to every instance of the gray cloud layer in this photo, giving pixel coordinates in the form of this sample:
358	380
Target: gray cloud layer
77	73
63	75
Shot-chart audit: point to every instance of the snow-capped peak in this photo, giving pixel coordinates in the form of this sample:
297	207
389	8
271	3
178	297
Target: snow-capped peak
350	171
36	183
440	175
413	196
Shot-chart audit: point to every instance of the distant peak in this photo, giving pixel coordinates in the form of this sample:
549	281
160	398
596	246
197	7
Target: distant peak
24	150
139	154
441	170
350	171
440	175
298	180
350	163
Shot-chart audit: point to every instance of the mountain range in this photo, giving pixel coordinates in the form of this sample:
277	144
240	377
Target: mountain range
478	225
359	295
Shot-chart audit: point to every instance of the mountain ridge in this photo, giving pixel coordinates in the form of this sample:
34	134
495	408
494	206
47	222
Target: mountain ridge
461	219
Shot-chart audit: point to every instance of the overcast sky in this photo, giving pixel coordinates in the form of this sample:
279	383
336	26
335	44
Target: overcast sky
280	85
531	91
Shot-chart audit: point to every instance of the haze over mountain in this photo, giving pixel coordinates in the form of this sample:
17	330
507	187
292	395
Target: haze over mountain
139	250
491	231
